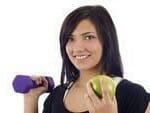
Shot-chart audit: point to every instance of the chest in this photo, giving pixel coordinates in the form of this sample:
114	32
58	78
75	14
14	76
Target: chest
74	100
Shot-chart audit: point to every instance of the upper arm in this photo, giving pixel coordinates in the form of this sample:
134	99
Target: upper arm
132	98
47	104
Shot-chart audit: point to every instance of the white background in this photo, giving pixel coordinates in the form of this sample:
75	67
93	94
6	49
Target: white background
29	33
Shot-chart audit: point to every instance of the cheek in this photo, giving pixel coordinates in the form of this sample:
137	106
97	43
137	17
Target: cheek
97	45
68	50
98	50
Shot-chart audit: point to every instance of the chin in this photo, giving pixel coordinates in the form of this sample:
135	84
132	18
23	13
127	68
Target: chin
85	67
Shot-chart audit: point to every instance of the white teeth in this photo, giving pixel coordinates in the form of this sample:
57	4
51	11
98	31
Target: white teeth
81	57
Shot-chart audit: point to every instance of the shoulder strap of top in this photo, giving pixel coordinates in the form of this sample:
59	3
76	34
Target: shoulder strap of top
117	80
67	89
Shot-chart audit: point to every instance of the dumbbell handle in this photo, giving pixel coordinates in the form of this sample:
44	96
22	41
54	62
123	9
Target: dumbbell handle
23	83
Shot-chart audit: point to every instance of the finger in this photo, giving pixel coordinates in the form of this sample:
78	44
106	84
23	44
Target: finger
35	79
45	82
114	100
105	91
148	108
39	80
42	81
95	99
115	104
89	104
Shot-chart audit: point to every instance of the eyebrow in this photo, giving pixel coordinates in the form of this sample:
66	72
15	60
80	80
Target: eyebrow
86	33
83	33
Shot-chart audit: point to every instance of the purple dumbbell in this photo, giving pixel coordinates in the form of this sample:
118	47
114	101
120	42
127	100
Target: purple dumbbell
23	84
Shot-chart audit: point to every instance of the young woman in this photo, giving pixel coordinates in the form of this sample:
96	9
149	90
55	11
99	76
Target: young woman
89	47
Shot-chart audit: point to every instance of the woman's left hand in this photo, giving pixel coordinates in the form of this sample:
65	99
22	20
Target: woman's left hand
106	104
148	108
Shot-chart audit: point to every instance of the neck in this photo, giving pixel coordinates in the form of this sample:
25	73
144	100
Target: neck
84	77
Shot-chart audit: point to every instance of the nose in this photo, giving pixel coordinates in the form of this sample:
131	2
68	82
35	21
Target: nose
78	46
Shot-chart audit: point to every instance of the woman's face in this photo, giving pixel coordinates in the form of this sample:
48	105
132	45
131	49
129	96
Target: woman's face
84	48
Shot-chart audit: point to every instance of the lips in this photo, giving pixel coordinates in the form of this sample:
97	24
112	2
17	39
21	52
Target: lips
81	57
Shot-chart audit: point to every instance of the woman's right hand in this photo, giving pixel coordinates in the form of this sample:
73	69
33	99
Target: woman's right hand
36	92
31	98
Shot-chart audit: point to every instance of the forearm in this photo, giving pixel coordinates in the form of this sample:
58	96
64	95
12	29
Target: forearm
30	104
31	98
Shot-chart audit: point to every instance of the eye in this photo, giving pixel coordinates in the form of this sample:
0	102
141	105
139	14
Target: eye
89	37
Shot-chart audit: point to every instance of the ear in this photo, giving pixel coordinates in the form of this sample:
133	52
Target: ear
148	108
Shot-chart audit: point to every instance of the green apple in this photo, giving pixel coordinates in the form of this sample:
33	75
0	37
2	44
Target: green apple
96	86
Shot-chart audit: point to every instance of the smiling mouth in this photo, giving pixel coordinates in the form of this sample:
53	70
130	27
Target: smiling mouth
81	57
